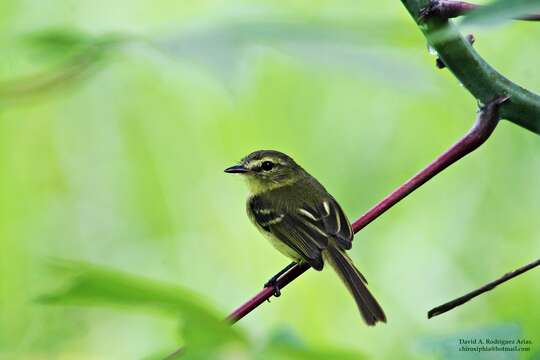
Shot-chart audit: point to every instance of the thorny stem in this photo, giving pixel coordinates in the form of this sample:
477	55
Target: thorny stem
441	65
476	75
441	309
487	120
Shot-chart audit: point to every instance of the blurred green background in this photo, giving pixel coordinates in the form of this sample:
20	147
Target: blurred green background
118	118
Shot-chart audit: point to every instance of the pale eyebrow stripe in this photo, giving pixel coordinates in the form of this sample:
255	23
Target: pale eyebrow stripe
307	214
257	163
260	161
254	163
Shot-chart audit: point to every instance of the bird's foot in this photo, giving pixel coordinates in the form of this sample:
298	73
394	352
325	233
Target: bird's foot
272	283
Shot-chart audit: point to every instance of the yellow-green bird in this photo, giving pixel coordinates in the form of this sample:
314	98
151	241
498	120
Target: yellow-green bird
303	221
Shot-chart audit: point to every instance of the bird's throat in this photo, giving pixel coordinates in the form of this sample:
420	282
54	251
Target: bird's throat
256	186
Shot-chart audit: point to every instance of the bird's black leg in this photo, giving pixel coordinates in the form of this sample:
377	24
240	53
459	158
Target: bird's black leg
272	282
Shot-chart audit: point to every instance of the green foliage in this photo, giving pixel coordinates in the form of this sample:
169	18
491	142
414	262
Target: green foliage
57	42
499	11
65	55
205	333
118	161
203	329
222	47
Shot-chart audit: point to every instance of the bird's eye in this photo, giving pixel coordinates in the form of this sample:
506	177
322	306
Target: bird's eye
267	165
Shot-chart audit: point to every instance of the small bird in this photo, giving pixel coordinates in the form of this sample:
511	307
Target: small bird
303	221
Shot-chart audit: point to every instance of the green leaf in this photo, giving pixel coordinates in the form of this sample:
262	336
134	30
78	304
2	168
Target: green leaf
203	328
57	37
499	11
73	54
354	49
55	42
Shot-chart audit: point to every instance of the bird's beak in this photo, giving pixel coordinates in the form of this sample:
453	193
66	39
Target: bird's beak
236	169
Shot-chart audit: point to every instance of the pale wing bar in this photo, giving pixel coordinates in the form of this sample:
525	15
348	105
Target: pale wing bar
336	223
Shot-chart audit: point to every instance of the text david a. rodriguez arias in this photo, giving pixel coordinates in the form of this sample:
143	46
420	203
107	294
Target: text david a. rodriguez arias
493	345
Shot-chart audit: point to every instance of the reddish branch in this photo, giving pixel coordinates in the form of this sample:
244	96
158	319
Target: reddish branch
483	127
451	9
471	295
487	120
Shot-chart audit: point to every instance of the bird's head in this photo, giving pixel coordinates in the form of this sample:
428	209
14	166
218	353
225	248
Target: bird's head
267	169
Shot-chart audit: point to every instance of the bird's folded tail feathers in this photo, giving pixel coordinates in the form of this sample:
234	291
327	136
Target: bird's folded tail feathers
369	308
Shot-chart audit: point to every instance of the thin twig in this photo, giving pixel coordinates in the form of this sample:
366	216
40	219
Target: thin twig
487	120
441	309
449	9
69	71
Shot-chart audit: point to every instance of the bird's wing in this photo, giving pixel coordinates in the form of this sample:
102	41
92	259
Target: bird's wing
301	235
335	222
306	229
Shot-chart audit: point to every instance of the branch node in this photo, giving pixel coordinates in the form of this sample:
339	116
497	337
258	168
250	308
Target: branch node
448	9
445	9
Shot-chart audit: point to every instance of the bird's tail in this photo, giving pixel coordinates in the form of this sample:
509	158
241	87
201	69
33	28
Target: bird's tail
356	283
